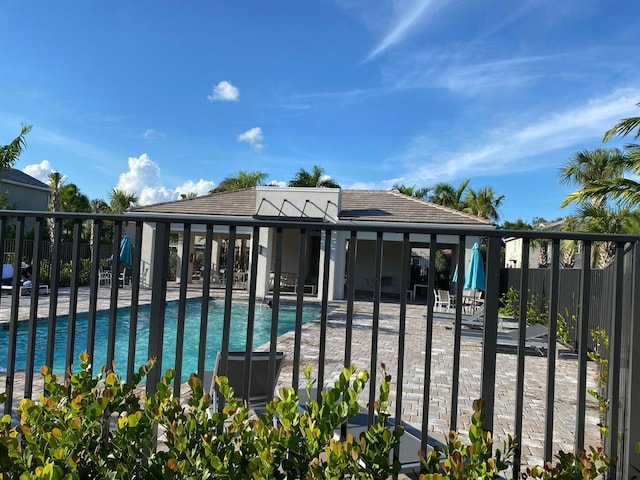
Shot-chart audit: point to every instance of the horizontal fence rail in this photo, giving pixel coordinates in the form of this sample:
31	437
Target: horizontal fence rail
333	295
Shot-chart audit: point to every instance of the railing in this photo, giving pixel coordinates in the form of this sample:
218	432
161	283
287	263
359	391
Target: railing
398	332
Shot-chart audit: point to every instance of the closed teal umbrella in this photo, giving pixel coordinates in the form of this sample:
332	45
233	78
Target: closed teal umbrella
125	251
475	277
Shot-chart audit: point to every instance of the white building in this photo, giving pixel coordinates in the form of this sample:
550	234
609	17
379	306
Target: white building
333	206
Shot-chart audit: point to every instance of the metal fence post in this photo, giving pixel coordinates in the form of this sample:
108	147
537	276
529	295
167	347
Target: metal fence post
158	302
631	465
490	341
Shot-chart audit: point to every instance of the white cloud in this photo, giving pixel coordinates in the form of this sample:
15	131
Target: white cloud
40	170
253	137
200	188
151	134
224	91
144	179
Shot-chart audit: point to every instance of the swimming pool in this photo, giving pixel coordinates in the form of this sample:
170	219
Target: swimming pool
262	332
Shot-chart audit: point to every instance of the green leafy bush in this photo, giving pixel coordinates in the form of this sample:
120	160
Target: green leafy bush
475	460
537	307
102	427
582	466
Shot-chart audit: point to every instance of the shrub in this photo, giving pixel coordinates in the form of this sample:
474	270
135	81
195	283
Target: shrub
476	460
582	466
537	307
100	427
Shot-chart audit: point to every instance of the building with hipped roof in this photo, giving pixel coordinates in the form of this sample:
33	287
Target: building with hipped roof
333	206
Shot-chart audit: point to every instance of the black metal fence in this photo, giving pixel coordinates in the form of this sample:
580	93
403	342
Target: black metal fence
608	297
570	284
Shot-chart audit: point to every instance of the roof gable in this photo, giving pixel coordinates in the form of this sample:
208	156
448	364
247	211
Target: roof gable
14	175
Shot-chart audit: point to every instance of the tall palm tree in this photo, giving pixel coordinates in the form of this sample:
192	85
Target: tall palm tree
315	178
447	195
244	179
121	200
98	205
56	182
410	191
9	153
588	167
484	203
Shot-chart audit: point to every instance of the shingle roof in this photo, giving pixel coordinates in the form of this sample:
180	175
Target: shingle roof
18	176
357	205
388	206
238	203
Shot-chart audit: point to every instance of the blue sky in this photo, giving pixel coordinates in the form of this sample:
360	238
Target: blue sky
163	98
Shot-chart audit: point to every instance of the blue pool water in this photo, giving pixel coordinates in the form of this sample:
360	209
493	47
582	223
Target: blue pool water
262	332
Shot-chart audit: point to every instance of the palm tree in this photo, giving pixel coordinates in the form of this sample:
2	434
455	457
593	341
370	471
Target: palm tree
589	167
410	191
604	219
484	203
121	200
620	187
315	178
244	179
56	182
9	153
188	196
624	127
447	195
98	205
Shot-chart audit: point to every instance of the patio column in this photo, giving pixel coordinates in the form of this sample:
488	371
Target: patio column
147	251
264	262
180	258
336	265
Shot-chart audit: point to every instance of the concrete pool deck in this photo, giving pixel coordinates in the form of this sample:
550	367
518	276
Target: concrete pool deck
415	348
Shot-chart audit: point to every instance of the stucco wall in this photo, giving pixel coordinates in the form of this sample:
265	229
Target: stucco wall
26	198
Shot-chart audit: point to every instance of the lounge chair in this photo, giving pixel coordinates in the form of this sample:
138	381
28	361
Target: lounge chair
536	339
258	394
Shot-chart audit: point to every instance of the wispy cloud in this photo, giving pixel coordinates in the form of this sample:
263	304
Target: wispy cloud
402	25
77	147
151	134
338	95
505	149
224	91
253	137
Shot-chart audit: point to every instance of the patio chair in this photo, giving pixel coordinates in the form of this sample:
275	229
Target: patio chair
447	301
258	394
104	277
